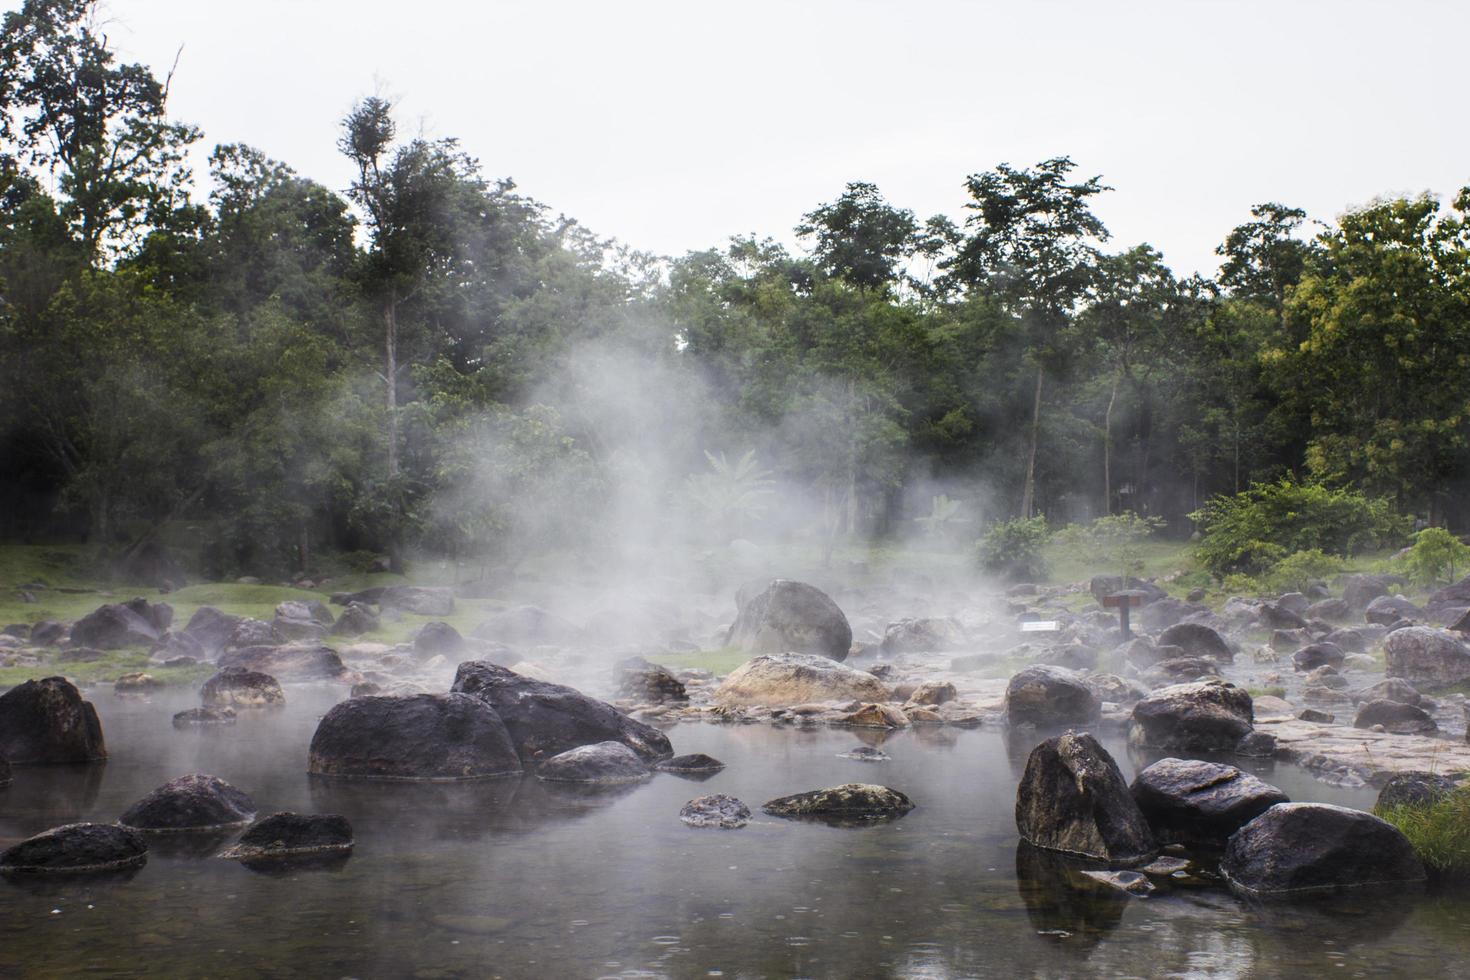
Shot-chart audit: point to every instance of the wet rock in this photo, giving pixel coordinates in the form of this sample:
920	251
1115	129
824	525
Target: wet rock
546	719
778	680
643	681
1178	669
1257	745
47	633
1413	789
204	717
1316	655
865	753
1203	716
604	762
47	722
1386	610
791	617
1073	799
76	848
193	802
1359	590
1427	657
174	646
293	835
933	693
875	716
211	629
1300	849
419	736
1395	717
1131	882
252	633
1197	640
5	774
1315	717
117	625
925	635
696	762
1102	586
437	638
1329	611
136	683
527	625
1392	689
238	687
1200	804
850	801
294	662
358	618
719	810
1049	697
1111	687
417	599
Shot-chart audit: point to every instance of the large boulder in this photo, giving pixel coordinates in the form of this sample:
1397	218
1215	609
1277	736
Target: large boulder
211	628
76	848
1359	590
1301	849
791	617
1049	697
1389	609
420	736
1392	689
850	801
1202	716
1316	655
643	681
436	638
117	625
252	633
1395	716
719	810
1451	596
547	719
358	618
1073	799
1200	803
46	722
604	762
47	633
192	802
417	599
784	679
237	687
1197	640
1427	657
924	635
297	663
287	835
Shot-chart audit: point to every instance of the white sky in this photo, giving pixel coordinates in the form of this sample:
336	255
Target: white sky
672	125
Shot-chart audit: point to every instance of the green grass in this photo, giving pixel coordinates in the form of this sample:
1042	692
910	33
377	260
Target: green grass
1273	691
718	662
1440	832
106	670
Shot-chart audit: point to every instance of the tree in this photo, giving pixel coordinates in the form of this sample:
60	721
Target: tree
1033	243
860	237
1265	258
101	128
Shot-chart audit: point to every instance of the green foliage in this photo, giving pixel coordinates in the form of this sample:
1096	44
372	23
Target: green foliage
1253	530
1015	548
1113	543
943	517
1300	569
1437	555
729	496
1440	832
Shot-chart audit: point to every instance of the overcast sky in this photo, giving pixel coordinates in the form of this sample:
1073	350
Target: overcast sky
675	125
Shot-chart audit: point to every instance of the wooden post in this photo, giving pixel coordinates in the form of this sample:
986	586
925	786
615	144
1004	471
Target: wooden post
1123	601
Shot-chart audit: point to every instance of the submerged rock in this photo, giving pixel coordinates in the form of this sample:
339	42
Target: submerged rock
1131	882
1424	656
784	679
546	719
204	717
1209	715
291	835
76	848
418	736
698	762
238	687
1300	849
604	762
1200	803
791	617
46	722
192	802
719	810
1049	697
1072	798
850	801
865	753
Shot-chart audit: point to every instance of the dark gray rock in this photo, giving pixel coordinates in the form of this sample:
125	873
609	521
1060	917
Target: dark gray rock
1427	657
1389	609
238	687
419	736
1073	799
417	599
47	722
1316	655
1359	590
358	618
295	662
1300	849
646	682
1049	697
924	635
697	762
1179	669
547	719
1392	689
1257	745
1330	611
848	802
1350	640
1419	789
1395	717
76	848
1277	617
205	717
1457	594
293	835
1200	804
1203	716
172	646
603	762
114	626
1197	640
1166	612
437	638
252	633
719	810
193	802
211	629
1315	717
47	633
791	617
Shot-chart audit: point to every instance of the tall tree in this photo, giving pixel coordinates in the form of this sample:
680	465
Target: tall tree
860	237
1265	257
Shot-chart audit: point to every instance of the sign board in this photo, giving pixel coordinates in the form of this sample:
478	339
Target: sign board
1122	599
1040	626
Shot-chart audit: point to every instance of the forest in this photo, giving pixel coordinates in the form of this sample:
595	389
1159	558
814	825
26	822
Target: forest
256	370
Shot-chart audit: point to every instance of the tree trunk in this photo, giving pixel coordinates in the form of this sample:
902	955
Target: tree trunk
390	322
1029	493
1108	447
303	547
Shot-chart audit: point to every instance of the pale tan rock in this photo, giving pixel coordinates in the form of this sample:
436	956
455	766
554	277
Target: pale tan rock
781	680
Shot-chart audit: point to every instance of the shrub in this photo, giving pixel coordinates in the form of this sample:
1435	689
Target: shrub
1114	542
1436	554
1439	832
1014	548
1255	529
1298	570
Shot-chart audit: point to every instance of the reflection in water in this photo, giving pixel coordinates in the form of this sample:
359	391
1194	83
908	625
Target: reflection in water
1064	904
40	797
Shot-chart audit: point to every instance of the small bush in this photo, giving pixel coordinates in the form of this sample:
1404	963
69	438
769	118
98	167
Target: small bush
1014	548
1297	571
1439	832
1437	555
1255	529
1114	542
